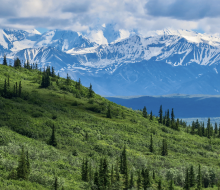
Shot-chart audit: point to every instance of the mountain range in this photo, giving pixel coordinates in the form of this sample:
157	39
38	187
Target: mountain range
156	63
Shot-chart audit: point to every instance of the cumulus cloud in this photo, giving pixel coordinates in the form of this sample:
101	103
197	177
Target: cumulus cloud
87	15
183	9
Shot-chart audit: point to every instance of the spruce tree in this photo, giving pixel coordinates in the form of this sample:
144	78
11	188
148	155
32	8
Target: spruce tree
187	184
96	180
139	181
216	128
151	116
5	90
83	170
112	176
105	173
191	177
171	187
52	140
68	79
164	151
160	115
19	89
55	184
144	112
8	80
199	179
159	186
219	131
131	184
108	114
151	147
4	60
154	175
172	116
16	89
23	169
168	119
208	129
91	92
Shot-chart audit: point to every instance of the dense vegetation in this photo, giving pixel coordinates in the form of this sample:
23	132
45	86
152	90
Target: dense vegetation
57	134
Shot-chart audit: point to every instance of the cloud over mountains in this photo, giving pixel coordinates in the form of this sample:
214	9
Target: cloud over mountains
85	15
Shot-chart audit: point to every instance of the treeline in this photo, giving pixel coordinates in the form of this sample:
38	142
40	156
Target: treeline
120	176
196	128
10	92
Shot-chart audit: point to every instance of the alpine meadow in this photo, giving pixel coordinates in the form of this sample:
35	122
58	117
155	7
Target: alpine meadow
57	134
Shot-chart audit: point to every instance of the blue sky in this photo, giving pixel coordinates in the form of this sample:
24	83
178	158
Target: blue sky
85	15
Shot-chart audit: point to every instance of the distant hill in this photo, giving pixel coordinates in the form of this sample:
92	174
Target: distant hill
185	106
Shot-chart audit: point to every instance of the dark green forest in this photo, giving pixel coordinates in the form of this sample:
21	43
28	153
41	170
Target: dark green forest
57	134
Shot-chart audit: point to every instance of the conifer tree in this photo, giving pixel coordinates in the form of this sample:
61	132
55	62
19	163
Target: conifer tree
199	179
219	131
159	186
17	63
160	115
187	184
112	176
154	175
168	119
16	89
8	81
151	147
164	151
146	179
172	116
105	173
96	180
19	89
68	79
108	114
4	60
151	116
131	184
91	92
23	169
208	129
86	170
144	112
28	164
83	170
55	184
52	140
117	173
216	128
191	177
139	181
171	187
177	125
193	128
5	90
53	72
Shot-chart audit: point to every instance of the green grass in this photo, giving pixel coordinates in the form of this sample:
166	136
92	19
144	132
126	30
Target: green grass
27	122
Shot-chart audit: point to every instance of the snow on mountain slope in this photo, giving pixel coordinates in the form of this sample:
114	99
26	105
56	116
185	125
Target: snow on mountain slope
63	40
161	62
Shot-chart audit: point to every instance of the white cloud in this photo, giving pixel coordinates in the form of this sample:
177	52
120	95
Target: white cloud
126	14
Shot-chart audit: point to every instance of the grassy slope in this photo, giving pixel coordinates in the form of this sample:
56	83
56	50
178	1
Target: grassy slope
28	122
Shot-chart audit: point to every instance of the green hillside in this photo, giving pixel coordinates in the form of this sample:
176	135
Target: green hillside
84	134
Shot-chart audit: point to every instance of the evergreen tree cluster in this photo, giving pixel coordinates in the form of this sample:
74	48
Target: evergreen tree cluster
46	77
7	92
23	169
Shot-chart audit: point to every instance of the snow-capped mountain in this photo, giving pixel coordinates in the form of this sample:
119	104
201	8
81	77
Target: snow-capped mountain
158	62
